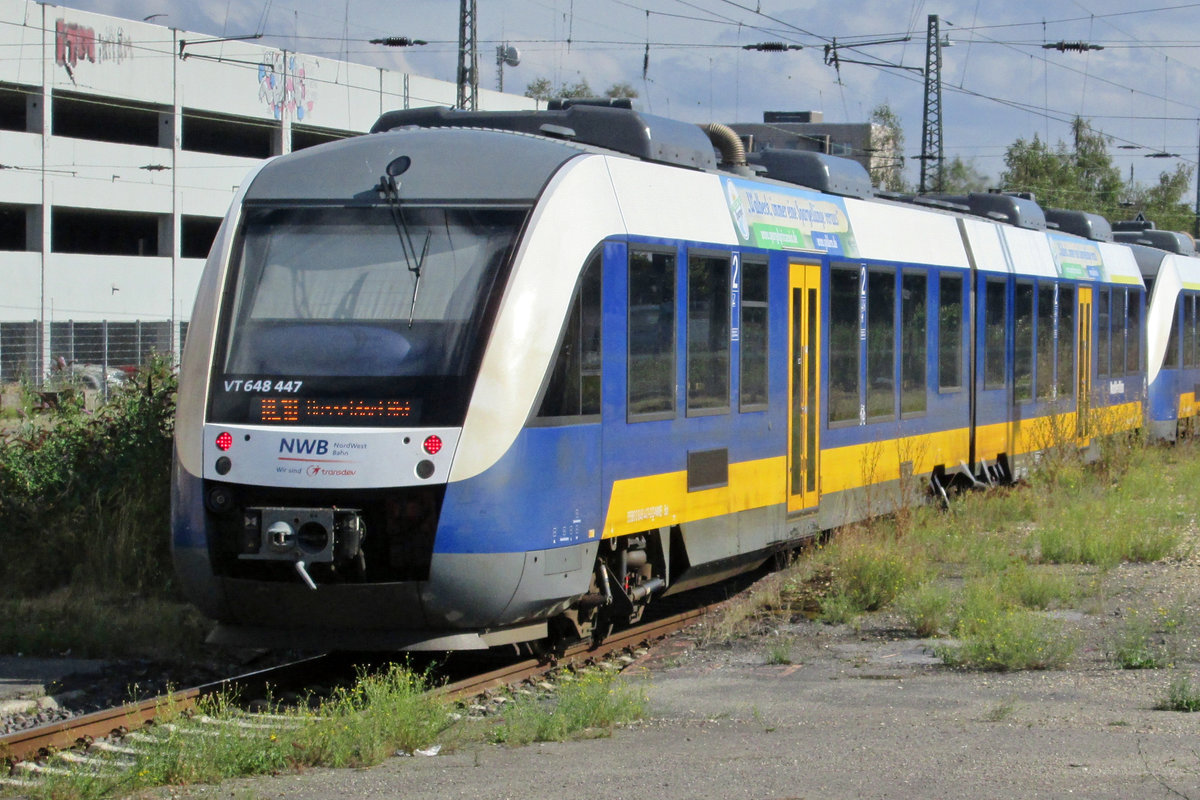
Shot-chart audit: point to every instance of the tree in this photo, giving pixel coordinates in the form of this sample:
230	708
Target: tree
618	90
1080	177
963	177
1083	177
887	150
1163	202
543	89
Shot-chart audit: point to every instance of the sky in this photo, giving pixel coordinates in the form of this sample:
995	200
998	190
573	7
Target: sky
686	59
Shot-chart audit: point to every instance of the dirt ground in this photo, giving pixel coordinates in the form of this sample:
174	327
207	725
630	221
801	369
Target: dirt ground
862	712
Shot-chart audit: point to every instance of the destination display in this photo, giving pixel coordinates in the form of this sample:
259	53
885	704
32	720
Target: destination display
291	410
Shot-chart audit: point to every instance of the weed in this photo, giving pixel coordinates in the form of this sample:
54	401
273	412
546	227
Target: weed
870	571
994	634
779	651
1134	648
1001	711
1182	695
927	608
838	609
358	726
1035	587
1059	461
590	706
1074	537
1143	641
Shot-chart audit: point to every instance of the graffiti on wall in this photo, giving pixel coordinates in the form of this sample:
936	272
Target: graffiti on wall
74	43
282	85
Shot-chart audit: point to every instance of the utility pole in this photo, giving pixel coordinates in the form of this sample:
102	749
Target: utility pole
931	121
468	58
1196	222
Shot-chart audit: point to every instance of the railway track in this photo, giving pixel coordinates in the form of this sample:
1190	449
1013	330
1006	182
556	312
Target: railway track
30	751
43	740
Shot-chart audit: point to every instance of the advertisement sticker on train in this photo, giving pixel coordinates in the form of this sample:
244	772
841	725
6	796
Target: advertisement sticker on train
1077	259
779	219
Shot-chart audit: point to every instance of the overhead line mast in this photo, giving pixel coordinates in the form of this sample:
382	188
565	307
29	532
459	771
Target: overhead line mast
468	58
931	120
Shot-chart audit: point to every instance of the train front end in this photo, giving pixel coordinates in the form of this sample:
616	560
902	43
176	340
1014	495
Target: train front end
339	329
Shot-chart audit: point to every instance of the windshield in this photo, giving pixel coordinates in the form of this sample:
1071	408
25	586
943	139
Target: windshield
325	302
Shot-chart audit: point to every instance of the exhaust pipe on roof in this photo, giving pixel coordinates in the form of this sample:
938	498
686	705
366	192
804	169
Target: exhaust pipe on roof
726	140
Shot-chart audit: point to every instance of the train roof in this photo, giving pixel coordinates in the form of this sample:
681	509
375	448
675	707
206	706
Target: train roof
644	136
488	168
1081	223
1171	241
828	174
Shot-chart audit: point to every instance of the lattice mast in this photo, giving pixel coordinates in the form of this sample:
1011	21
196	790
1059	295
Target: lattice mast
468	58
931	121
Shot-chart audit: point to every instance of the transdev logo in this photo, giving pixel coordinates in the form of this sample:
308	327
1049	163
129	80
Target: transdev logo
317	471
737	208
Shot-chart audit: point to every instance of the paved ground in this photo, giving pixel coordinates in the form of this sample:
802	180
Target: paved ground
866	713
857	715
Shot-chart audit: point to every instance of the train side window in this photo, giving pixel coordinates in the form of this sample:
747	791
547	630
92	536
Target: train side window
1103	333
1133	336
1066	341
844	353
651	376
708	304
753	336
1120	328
1171	357
950	322
1044	372
994	334
914	328
881	344
1023	336
1189	330
574	386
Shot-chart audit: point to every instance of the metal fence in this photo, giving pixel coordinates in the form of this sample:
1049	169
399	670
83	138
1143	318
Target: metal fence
100	347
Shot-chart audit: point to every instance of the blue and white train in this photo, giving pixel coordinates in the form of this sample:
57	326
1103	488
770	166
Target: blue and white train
479	379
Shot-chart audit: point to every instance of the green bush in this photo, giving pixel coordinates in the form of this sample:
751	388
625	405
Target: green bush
85	496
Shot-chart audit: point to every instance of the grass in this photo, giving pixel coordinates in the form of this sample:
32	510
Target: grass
589	706
779	650
986	570
927	608
870	569
993	633
1182	695
1146	639
379	715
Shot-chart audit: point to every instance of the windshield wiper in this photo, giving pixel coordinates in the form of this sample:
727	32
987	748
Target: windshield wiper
389	189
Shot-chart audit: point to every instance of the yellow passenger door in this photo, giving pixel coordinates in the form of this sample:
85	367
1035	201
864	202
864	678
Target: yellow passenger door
804	386
1083	371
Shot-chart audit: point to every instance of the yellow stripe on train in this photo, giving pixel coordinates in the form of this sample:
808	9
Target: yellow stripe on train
658	501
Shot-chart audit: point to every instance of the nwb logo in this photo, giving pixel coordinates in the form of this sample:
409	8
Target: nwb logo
305	447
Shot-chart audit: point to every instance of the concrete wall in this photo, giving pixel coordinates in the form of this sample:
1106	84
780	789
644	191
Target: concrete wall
111	76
